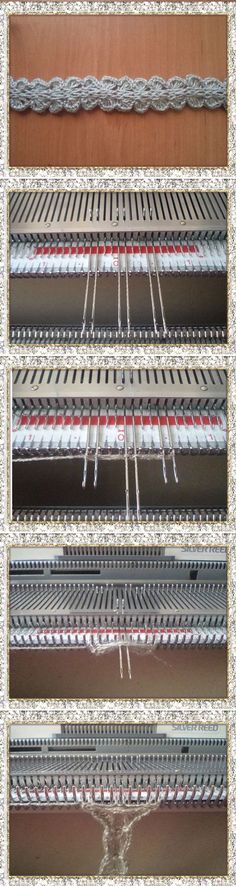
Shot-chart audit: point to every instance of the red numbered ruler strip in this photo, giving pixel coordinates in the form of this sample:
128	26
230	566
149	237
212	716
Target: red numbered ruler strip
156	430
142	256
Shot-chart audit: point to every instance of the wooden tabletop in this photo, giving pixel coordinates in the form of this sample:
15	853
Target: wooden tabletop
166	45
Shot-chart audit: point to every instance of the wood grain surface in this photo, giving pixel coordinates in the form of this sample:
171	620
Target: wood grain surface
47	46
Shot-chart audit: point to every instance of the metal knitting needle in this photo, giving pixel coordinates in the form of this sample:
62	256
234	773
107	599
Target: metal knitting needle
172	449
80	414
136	470
216	442
94	290
154	319
128	662
118	293
186	429
126	470
159	290
203	428
121	662
162	450
176	253
141	259
86	452
86	293
127	291
95	476
142	426
106	425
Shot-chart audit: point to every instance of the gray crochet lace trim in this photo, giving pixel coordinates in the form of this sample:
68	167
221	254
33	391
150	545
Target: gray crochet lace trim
111	94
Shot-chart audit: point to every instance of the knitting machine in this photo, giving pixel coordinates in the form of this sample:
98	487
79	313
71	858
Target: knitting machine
119	444
118	267
101	598
121	765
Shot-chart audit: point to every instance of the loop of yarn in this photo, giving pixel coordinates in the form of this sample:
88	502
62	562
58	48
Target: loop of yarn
112	94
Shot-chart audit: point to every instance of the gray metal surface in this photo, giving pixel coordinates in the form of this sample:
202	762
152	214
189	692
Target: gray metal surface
67	387
113	515
22	335
163	604
46	214
97	267
195	767
108	737
100	763
89	601
126	563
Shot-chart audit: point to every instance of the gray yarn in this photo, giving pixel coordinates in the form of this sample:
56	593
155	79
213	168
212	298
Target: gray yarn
111	94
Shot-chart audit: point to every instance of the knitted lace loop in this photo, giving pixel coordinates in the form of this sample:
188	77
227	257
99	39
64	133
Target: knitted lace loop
112	94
